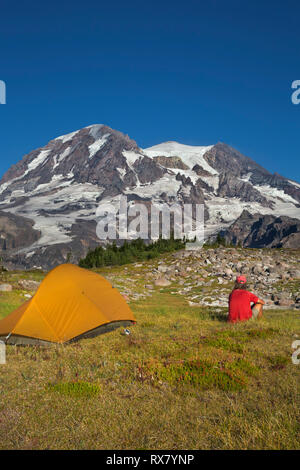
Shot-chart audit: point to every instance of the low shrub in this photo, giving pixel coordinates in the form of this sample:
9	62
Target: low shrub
75	389
199	373
224	343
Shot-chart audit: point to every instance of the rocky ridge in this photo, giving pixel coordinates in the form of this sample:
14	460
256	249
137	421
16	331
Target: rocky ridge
268	231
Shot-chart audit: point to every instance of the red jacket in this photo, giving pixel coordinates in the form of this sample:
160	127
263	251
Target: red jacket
240	305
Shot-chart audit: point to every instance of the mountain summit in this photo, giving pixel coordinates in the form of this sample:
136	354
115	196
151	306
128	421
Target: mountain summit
55	190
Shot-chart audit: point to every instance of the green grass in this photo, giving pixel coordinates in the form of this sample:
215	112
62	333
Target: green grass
75	389
9	301
183	379
278	362
225	344
198	373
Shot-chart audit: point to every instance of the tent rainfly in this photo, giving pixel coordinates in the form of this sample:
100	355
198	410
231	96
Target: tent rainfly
71	303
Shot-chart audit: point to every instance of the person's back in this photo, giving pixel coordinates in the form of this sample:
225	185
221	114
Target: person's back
240	301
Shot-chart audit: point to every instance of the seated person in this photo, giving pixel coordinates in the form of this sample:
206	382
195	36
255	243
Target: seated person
240	301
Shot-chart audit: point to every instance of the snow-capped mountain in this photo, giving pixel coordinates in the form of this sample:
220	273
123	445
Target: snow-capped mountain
56	189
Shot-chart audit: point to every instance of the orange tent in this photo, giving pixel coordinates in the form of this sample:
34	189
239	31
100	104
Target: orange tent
70	303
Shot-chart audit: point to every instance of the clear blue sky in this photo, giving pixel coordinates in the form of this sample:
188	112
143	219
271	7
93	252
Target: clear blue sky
197	72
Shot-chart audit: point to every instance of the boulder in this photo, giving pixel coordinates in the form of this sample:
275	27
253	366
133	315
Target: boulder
28	284
148	286
162	282
296	274
5	288
228	272
285	302
162	269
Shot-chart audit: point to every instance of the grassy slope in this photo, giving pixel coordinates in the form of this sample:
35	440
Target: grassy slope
141	400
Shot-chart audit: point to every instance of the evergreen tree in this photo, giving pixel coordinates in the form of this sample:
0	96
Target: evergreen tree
130	252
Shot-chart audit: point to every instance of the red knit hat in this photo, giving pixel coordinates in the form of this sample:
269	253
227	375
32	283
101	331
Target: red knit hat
241	279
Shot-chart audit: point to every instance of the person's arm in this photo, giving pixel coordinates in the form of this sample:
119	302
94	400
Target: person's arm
255	299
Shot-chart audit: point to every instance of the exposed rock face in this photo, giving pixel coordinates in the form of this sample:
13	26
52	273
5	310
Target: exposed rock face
224	158
171	162
276	181
257	231
16	231
93	155
230	186
84	237
63	155
199	170
148	170
48	200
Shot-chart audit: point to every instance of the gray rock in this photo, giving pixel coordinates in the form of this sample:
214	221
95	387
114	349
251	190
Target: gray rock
285	302
5	288
296	274
162	282
28	284
162	269
228	272
16	232
261	231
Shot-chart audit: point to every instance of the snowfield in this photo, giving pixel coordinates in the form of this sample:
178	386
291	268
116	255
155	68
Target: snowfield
97	145
190	155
